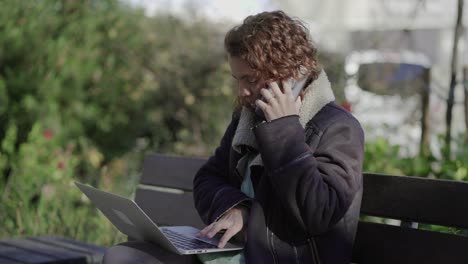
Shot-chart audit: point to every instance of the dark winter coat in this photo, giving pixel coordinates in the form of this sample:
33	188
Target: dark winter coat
308	187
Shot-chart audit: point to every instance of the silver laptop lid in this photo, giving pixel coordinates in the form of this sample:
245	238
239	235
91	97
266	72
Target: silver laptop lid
131	220
134	222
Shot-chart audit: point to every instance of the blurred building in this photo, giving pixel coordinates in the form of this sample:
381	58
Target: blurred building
424	27
349	28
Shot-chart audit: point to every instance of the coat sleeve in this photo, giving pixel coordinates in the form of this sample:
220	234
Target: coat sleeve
316	186
212	192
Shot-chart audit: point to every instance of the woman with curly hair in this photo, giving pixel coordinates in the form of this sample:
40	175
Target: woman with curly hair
286	178
290	185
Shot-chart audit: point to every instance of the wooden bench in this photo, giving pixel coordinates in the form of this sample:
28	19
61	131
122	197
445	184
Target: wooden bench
49	249
165	193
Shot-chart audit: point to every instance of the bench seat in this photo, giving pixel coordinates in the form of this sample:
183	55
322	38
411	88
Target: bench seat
49	249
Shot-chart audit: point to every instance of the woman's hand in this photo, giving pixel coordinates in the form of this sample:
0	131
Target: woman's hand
278	104
233	221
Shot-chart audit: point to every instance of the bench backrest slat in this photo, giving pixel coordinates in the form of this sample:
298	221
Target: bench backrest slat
413	199
379	243
170	171
165	189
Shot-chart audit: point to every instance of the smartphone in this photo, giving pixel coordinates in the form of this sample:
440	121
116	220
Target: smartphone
296	87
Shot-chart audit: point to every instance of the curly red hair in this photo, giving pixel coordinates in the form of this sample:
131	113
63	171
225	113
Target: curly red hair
274	45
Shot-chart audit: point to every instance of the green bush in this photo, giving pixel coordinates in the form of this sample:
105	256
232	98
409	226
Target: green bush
382	157
86	88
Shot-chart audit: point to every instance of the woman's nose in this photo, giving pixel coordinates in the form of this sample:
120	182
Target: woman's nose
244	91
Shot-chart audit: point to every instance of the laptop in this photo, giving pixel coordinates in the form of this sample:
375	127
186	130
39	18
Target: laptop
131	220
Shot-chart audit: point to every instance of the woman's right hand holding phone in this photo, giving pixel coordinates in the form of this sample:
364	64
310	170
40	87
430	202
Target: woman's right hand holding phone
278	104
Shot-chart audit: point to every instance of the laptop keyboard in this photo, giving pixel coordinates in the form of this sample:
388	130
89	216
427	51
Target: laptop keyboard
184	242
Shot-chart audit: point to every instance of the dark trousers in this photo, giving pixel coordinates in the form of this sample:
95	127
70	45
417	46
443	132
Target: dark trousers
143	252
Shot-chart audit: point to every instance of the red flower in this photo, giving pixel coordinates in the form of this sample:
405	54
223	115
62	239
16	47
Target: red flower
61	165
48	134
346	106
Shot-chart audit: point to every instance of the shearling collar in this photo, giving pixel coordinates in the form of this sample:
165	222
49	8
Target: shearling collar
317	95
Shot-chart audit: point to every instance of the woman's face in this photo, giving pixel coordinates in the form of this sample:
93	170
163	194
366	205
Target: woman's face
249	87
